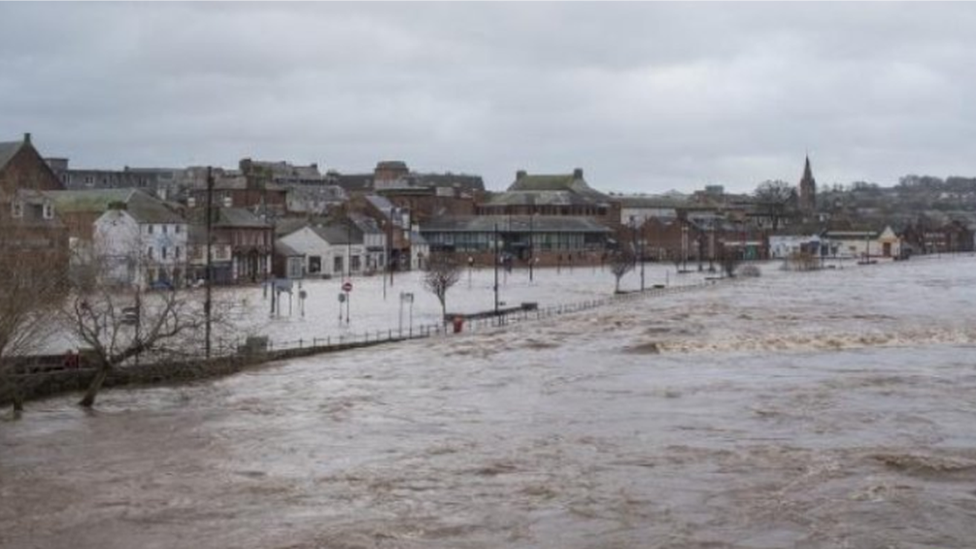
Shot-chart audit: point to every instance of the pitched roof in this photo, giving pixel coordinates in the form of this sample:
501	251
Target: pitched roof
281	248
337	234
559	189
7	151
141	206
352	182
146	209
239	218
88	201
463	182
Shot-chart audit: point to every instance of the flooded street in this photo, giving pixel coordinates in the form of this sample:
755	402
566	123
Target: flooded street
827	409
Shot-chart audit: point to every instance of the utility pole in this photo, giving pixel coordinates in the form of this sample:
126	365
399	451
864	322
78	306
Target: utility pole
389	245
531	243
209	288
642	255
496	269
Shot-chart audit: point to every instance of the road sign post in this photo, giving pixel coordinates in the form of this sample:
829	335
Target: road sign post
347	288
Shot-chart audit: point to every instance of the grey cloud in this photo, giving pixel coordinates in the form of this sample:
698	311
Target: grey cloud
645	97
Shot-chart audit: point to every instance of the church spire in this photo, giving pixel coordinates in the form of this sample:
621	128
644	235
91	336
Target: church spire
808	189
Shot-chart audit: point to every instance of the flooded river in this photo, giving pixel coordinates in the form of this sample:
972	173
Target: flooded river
829	409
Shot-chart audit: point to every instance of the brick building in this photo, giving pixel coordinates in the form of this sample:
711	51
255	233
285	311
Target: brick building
31	232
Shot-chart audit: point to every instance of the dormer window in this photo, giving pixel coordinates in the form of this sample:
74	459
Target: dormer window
17	208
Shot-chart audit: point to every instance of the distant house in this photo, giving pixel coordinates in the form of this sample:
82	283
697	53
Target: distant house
30	226
373	239
566	195
419	250
80	209
328	251
248	238
546	239
782	246
638	209
140	242
160	182
864	243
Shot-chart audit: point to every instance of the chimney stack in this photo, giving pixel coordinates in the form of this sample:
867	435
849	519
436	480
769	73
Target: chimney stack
578	173
519	174
27	138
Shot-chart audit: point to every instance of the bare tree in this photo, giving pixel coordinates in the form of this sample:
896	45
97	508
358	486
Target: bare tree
621	263
776	200
32	286
116	321
117	325
442	271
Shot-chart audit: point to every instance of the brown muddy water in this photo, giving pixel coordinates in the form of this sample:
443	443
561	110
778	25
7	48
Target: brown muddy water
832	409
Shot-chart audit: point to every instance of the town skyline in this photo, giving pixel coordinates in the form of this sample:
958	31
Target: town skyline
647	98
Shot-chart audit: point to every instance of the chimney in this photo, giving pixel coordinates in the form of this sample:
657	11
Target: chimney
578	173
27	140
519	174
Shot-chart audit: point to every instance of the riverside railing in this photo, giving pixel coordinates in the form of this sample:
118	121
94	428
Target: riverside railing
391	335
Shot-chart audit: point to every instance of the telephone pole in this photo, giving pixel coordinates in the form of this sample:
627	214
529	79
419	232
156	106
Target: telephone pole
209	287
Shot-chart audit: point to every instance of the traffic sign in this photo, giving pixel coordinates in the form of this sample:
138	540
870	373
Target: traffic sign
347	286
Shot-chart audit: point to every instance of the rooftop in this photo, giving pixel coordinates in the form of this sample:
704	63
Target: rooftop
515	223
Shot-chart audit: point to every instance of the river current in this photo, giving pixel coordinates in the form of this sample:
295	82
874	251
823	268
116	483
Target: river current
827	409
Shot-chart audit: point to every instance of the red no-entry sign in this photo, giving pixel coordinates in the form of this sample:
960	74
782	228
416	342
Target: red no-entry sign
347	287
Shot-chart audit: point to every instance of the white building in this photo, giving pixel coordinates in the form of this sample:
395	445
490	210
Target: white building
782	246
419	250
140	241
864	244
331	251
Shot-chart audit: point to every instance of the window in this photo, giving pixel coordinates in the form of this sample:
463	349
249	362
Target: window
149	228
176	229
177	253
48	210
164	251
149	252
355	263
165	227
18	208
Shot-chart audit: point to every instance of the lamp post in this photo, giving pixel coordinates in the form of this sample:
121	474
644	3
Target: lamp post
389	245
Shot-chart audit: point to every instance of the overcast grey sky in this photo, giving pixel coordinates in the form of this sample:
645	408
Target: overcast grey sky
644	97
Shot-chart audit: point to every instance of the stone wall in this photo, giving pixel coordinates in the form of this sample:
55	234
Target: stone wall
54	382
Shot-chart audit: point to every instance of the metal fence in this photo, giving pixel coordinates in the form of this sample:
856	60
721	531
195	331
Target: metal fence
376	337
